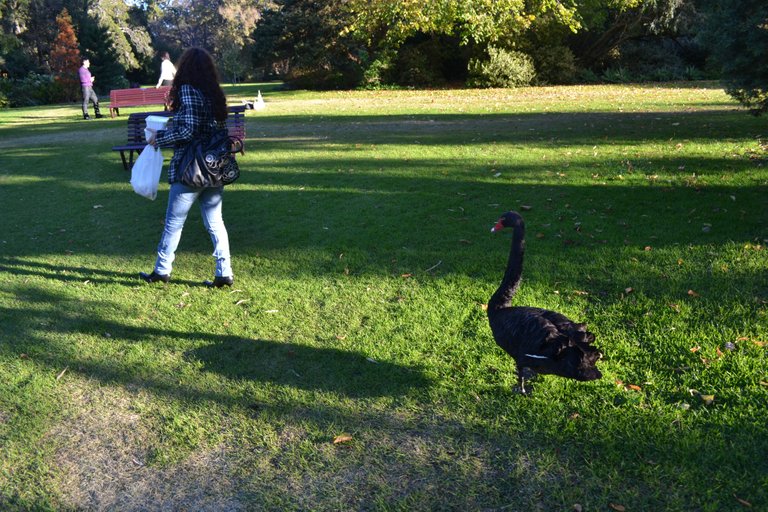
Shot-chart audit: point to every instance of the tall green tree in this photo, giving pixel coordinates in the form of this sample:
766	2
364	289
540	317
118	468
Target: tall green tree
97	44
131	41
128	34
13	16
193	23
605	24
41	29
737	33
309	39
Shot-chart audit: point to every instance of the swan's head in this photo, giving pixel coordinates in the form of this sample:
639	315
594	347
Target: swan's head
508	220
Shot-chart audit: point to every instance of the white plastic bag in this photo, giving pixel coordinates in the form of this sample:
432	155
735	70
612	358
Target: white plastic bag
145	174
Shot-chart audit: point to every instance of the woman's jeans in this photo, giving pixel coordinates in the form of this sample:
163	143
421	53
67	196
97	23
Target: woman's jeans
180	201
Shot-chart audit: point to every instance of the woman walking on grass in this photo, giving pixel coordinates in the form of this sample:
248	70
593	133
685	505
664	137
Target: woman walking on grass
199	107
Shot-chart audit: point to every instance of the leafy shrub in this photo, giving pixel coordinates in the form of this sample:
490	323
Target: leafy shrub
618	75
376	73
588	76
414	67
554	64
324	76
656	59
4	102
34	89
426	60
502	68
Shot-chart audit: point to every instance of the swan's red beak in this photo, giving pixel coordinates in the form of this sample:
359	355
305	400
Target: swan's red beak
498	227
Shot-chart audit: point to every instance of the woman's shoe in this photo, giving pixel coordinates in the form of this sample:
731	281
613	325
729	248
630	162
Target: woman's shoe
219	281
154	277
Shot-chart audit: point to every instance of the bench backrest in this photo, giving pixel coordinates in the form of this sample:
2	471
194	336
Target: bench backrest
138	121
135	97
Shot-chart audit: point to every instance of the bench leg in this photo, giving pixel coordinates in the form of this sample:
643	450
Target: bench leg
122	157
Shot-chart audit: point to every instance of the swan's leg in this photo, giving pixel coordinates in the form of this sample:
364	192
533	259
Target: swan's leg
523	373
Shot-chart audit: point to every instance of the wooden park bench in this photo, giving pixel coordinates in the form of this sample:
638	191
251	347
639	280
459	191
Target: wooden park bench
136	98
137	122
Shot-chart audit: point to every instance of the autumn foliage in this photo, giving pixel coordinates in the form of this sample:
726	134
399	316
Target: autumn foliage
65	56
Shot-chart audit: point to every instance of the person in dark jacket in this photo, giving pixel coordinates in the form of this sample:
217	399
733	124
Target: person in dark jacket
199	107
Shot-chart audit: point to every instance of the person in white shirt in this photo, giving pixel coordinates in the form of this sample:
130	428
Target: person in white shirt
167	71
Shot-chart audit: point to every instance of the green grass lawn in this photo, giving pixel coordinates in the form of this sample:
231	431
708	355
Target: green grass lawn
363	257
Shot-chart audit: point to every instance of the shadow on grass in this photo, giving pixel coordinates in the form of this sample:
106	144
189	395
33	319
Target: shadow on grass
282	363
81	274
298	366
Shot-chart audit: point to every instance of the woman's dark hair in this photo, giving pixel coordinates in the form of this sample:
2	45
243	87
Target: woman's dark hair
196	68
165	56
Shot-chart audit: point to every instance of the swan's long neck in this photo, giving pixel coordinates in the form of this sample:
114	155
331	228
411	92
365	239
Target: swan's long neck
502	298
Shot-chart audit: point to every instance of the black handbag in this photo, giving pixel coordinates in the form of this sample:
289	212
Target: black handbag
210	161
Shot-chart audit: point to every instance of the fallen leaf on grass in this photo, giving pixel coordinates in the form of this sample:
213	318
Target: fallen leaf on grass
577	507
60	375
675	307
617	507
693	293
763	383
695	349
343	438
707	399
406	275
634	387
465	241
743	502
540	235
484	307
719	352
241	301
526	208
24	356
647	248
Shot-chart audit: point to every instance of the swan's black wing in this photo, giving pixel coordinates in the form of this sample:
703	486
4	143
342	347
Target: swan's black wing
546	341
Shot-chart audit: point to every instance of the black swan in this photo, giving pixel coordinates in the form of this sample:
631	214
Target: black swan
539	340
